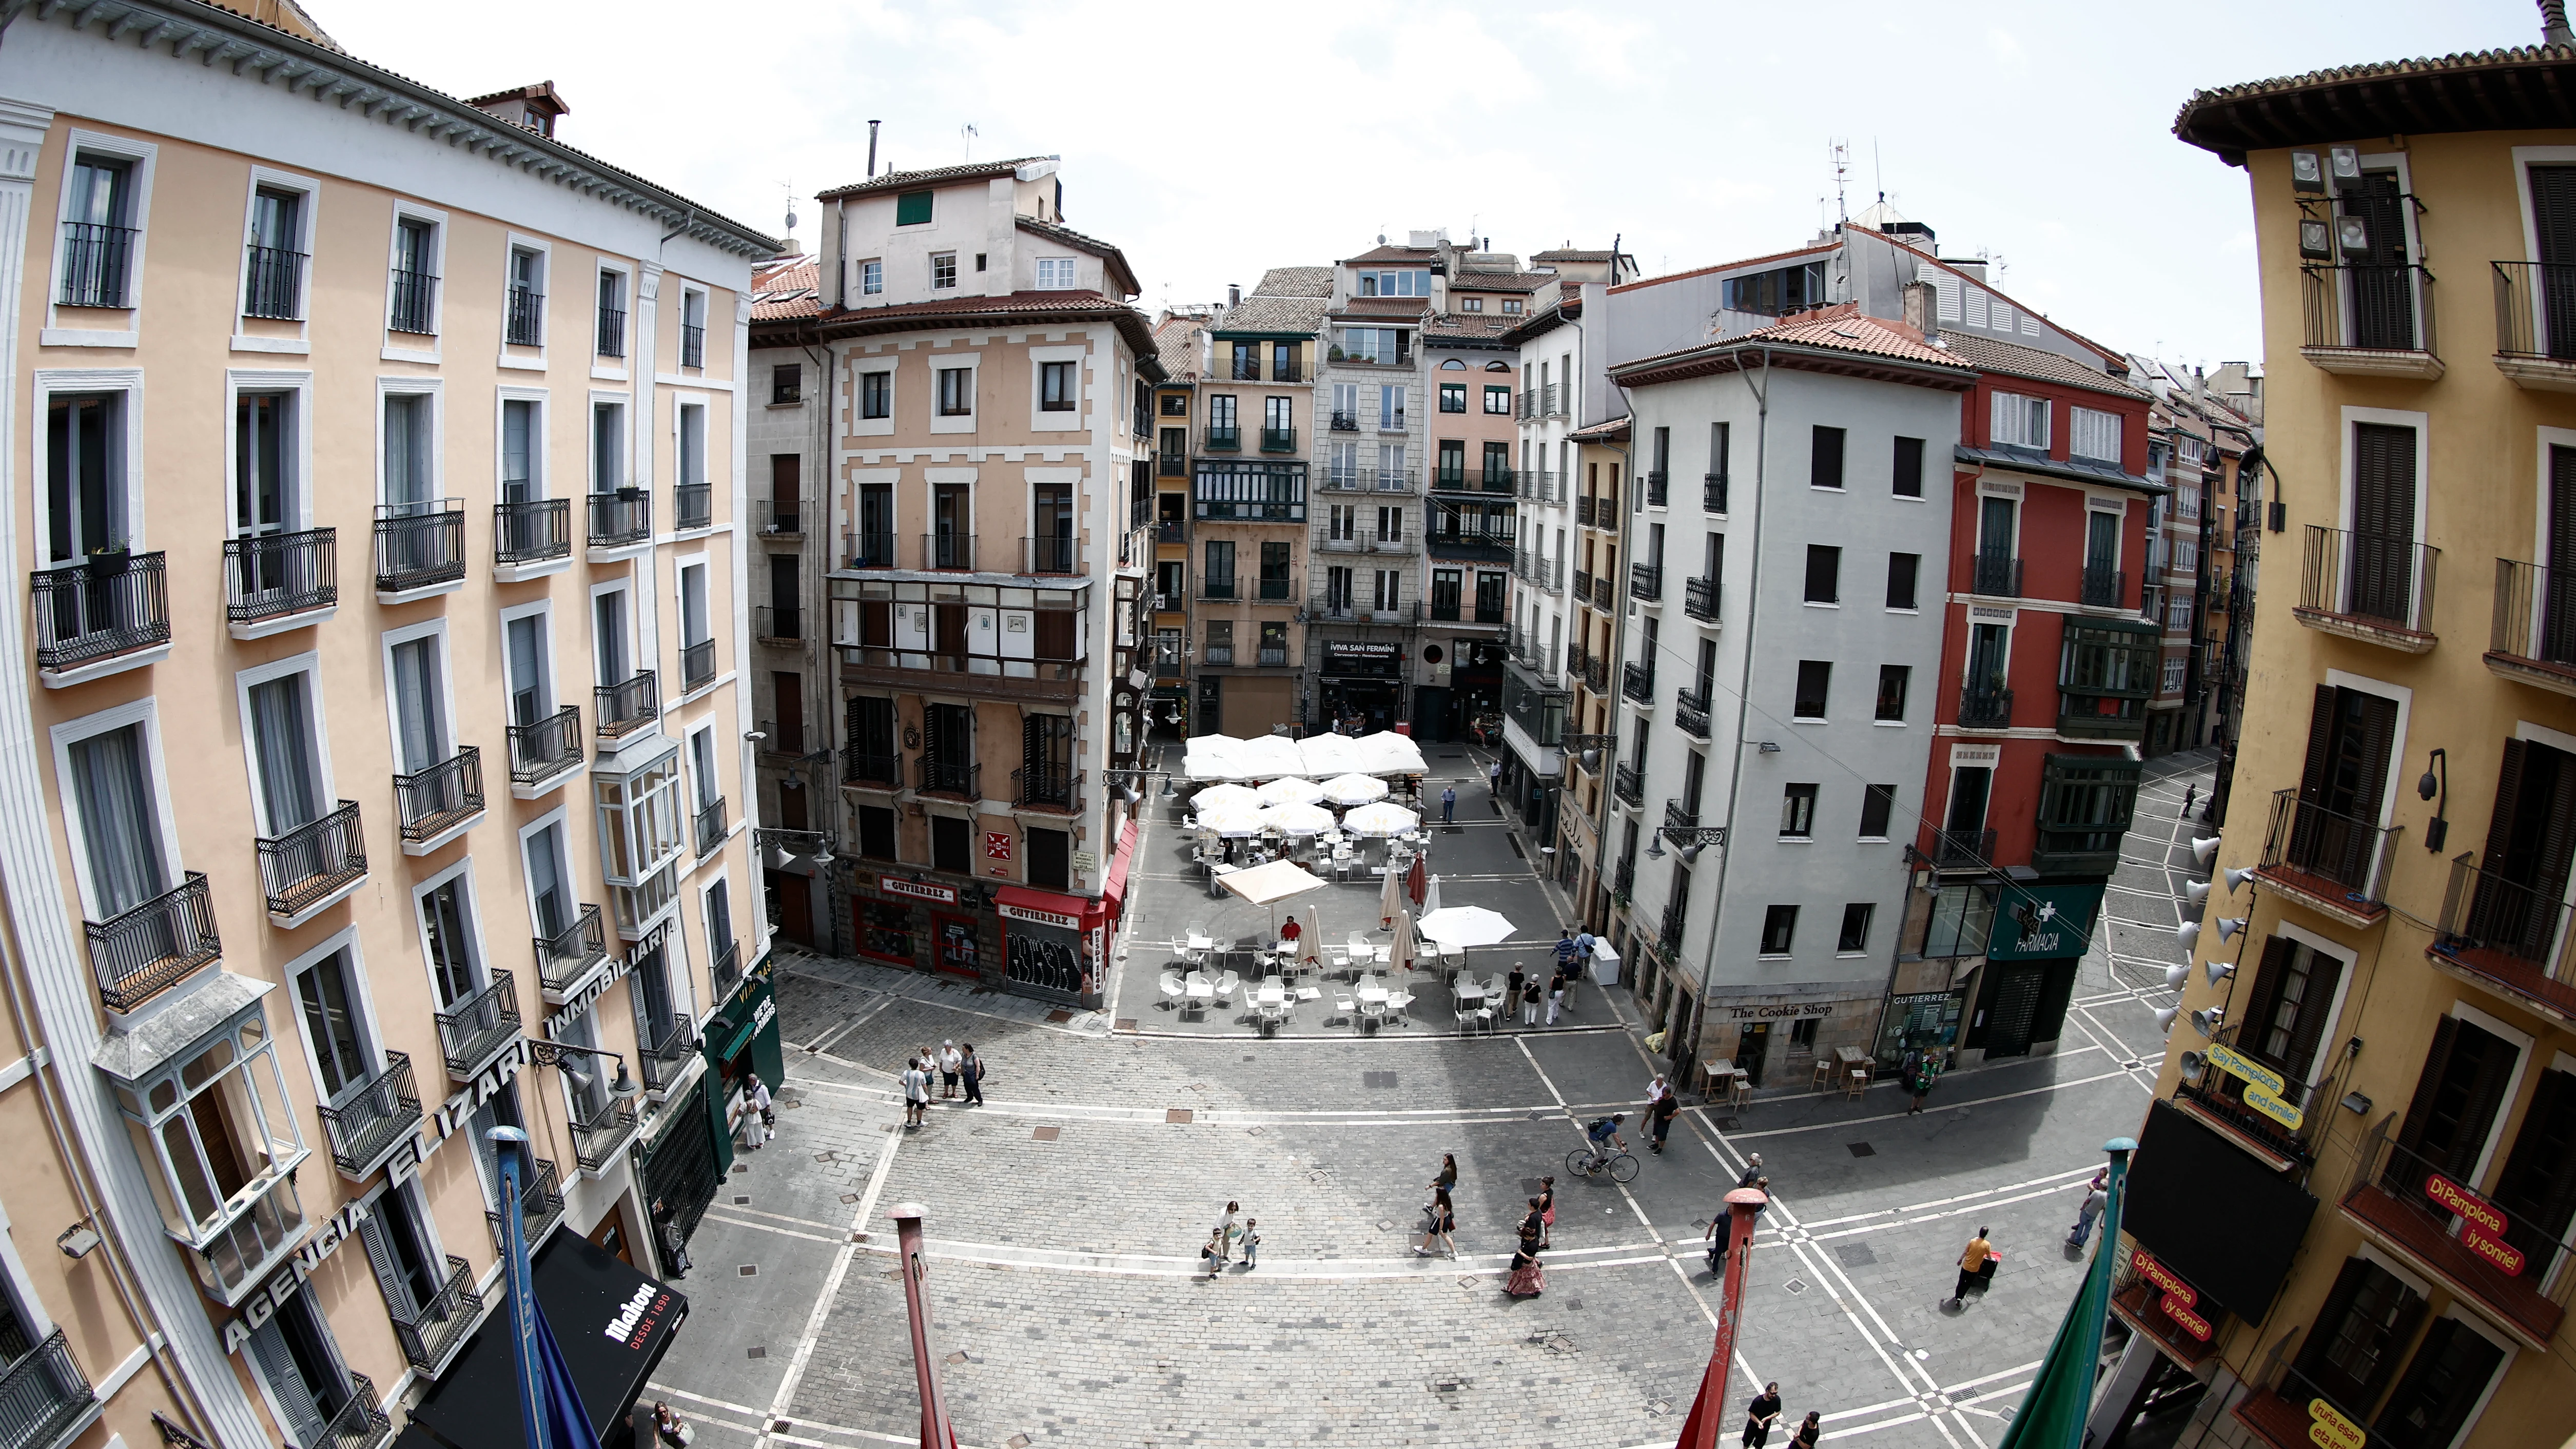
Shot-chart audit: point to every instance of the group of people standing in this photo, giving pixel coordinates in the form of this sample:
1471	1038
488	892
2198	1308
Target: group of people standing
957	1066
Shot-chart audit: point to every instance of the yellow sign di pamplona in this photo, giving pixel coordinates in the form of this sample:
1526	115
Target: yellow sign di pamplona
2263	1086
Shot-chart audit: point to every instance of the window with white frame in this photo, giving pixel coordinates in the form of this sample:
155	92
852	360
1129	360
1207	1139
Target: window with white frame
693	328
2178	611
2093	433
1059	386
2188	450
2186	555
525	315
872	276
284	734
553	904
115	794
956	392
2173	675
876	394
943	271
640	839
331	1001
102	234
416	663
693	508
411	305
1055	274
522	451
697	636
88	484
449	944
2020	421
607	446
527	651
274	260
2186	501
611	324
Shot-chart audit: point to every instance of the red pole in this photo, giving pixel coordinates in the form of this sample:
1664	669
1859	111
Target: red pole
936	1431
1708	1411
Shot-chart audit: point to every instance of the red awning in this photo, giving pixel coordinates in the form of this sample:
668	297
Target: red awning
1083	910
1114	891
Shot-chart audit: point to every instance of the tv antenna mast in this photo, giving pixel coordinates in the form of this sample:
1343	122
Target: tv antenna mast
1840	150
967	136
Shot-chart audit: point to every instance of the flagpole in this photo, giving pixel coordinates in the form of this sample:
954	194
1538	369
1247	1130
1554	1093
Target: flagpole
936	1431
2053	1414
507	1145
1708	1411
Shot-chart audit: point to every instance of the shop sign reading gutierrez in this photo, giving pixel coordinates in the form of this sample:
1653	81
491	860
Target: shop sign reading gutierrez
895	885
1043	918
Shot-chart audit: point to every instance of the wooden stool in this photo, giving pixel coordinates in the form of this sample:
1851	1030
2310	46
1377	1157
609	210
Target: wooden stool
1855	1081
1823	1076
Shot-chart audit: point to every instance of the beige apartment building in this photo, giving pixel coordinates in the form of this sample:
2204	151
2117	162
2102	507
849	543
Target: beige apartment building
2358	1170
1251	475
990	492
375	463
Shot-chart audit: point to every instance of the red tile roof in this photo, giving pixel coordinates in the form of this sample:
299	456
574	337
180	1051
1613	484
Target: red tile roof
1501	281
1988	354
1841	328
1394	254
786	287
931	176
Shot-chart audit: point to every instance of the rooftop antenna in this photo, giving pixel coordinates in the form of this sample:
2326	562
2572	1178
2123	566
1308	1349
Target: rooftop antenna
791	209
1877	171
1841	150
966	135
872	149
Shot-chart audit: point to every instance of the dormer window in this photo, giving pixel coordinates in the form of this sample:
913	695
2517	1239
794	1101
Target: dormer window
1055	274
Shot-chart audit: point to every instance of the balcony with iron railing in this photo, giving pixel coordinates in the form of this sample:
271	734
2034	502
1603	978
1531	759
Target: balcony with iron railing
544	749
1690	711
693	506
437	800
1390	422
2328	861
1582	584
138	953
414	310
44	1396
91	612
1553	398
884	772
697	665
1985	707
1596	674
693	346
1700	599
1215	439
1658	488
621	519
1637	680
2369	319
314	864
1060	555
948	551
273	284
1338	479
2417	1208
711	827
611	328
724	973
1712	498
2536	324
272	577
2509	936
1046	787
599	1138
946	777
1962	849
531	531
525	318
1668	936
2376	588
432	1335
1994	574
98	264
2104	587
778	623
1469	546
2533	637
665	1049
626	707
2219	1099
1498	478
541	1205
2140	1304
566	959
1278	440
1345	422
1629	783
479	1028
371	1118
361	1422
1646	582
419	545
1602	589
867	549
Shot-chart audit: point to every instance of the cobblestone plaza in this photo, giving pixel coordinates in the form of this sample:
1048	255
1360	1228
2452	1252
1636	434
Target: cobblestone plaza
1064	1216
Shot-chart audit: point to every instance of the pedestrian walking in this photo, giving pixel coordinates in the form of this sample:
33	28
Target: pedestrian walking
1494	779
1972	1267
1584	945
1809	1431
1752	1171
675	1247
1760	1415
949	1061
1659	1087
2190	793
1439	1220
1448	1177
1512	990
671	1429
970	1071
1565	983
2097	1196
1525	1279
1555	999
1448	805
1226	1231
916	1091
1564	950
1659	1120
1717	1241
1546	1213
1531	995
1251	1244
1211	1256
755	1110
1926	1072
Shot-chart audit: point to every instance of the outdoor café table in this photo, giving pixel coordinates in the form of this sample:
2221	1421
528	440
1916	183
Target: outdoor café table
1717	1074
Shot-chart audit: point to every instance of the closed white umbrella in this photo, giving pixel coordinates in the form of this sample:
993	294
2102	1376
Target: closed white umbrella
1290	790
1390	897
1466	926
1400	956
1354	789
1380	819
1221	797
1298	819
1431	897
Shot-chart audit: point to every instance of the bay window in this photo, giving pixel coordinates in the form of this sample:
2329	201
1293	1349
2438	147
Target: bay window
640	840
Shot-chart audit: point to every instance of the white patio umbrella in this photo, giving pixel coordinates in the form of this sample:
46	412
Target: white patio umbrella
1380	819
1219	797
1465	926
1290	790
1354	789
1268	885
1231	821
1292	819
1431	896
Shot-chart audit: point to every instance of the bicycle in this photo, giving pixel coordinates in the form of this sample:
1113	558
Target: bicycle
1621	1166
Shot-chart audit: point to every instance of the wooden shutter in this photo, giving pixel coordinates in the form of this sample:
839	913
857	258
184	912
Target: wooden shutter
2321	732
784	478
2265	998
2508	803
2349	1353
2537	1191
2475	1088
2428	1085
286	1386
2553	213
951	628
2378	734
2316	1008
1054	638
2383	480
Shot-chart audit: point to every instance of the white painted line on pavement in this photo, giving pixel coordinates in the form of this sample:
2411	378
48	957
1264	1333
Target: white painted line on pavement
1997	1374
769	1228
795	1376
1944	1107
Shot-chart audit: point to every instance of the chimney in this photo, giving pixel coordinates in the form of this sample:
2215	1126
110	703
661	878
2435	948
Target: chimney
1233	295
1920	312
2553	23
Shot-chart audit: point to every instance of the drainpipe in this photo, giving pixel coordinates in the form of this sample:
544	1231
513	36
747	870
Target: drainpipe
1744	677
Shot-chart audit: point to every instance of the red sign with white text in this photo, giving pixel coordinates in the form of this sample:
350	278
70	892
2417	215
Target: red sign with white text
2477	1211
2505	1256
2157	1273
2180	1312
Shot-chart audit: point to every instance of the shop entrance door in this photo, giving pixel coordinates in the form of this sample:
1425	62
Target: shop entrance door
2015	1009
794	896
681	1171
1751	1048
957	952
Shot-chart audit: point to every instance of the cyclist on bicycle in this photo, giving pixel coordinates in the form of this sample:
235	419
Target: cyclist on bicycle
1605	1129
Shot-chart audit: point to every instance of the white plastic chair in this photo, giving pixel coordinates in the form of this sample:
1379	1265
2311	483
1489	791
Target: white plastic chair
1201	990
1344	1007
1173	990
1227	985
1396	1002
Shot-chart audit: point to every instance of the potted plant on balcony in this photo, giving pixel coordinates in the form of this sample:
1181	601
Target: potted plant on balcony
110	558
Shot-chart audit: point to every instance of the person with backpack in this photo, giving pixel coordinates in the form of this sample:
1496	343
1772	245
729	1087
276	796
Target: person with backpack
1604	1129
1975	1267
1926	1072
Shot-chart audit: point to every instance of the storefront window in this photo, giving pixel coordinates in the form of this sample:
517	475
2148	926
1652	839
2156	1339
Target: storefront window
885	931
1928	1021
1961	918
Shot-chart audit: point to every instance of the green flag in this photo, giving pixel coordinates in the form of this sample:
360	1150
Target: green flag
2052	1414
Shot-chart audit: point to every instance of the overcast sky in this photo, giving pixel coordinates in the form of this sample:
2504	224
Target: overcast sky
1213	141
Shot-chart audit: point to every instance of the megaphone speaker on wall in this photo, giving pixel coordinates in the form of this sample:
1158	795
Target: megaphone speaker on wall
2217	970
2188	933
2194	1065
2208	1020
2203	848
2165	1017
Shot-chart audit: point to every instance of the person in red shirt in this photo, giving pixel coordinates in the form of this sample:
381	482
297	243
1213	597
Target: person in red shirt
1291	931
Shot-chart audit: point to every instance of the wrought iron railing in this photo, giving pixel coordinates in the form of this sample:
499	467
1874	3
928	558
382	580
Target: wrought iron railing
866	769
1658	487
2324	850
1645	581
2413	1201
2512	931
2383	578
2214	1095
86	612
431	1334
711	827
1985	707
43	1394
781	623
478	1027
1222	440
944	777
1045	786
620	518
271	575
547	747
361	1422
724	973
629	706
666	1052
1278	440
693	505
1690	711
419	545
1637	680
138	953
1050	555
414	302
948	551
531	530
1712	498
570	954
273	284
597	1139
2104	586
1629	781
526	321
311	861
2368	307
612	332
1995	574
697	665
1699	598
541	1204
870	550
437	798
1963	849
98	264
366	1124
693	345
